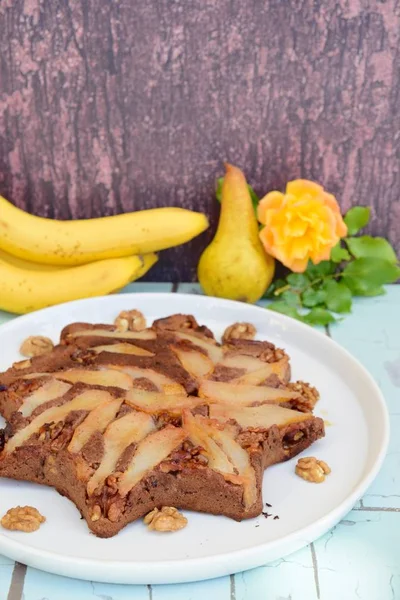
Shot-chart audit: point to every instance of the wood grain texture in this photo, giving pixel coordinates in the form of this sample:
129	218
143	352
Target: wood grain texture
109	106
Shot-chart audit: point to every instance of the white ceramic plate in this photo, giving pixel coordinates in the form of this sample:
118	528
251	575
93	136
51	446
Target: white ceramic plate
354	447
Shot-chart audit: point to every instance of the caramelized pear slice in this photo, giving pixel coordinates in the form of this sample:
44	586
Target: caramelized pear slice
104	377
156	402
258	417
242	361
120	434
243	395
238	457
123	349
162	382
279	368
147	334
214	352
217	459
51	390
97	420
195	363
88	400
155	448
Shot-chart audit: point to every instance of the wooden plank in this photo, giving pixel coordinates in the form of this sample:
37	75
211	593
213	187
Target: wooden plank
372	334
6	571
39	585
106	109
359	558
214	589
290	578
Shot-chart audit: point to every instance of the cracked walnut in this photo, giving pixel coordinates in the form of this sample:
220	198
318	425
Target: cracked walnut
311	469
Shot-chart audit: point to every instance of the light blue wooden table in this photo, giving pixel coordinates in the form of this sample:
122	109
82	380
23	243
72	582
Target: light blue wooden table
359	558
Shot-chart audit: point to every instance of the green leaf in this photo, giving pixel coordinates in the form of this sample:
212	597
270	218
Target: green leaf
367	246
338	254
218	188
357	218
285	309
218	193
291	298
366	275
325	267
298	280
338	296
274	287
254	198
311	297
319	316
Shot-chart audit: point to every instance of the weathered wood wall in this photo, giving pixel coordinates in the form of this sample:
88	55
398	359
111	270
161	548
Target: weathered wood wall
116	105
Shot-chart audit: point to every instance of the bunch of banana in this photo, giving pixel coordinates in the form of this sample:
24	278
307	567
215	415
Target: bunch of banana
45	262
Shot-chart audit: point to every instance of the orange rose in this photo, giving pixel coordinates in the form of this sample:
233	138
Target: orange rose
302	224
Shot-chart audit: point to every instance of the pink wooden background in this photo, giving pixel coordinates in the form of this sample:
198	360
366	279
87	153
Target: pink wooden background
115	105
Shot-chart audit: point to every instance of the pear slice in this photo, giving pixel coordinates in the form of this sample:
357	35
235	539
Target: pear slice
156	402
217	459
51	390
123	349
243	395
214	352
97	420
88	400
258	417
279	368
195	363
242	361
120	434
104	377
147	334
238	457
162	382
155	448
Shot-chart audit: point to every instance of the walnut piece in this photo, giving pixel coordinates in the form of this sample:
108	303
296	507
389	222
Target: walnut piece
239	331
166	519
22	518
130	320
311	469
309	395
96	513
36	345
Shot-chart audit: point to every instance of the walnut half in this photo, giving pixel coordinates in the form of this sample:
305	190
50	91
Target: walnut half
36	345
239	331
130	320
311	469
22	518
166	519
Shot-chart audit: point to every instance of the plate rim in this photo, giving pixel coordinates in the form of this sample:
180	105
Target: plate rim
216	565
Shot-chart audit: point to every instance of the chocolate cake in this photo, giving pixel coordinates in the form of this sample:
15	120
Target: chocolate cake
122	422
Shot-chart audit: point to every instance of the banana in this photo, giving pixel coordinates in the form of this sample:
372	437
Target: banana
23	290
79	242
27	265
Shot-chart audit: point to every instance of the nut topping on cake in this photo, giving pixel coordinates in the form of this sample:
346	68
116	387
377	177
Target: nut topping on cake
36	345
239	331
130	320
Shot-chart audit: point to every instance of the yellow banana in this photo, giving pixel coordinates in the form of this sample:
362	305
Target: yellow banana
27	265
79	242
24	290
